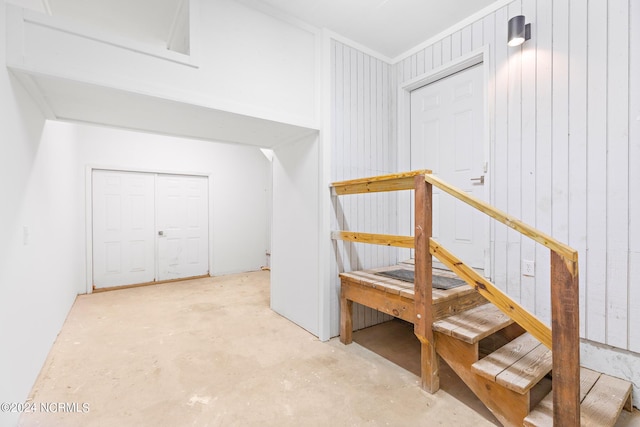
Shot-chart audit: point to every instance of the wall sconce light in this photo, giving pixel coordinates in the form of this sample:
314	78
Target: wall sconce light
518	31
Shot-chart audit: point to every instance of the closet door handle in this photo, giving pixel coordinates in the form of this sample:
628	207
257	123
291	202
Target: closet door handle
479	180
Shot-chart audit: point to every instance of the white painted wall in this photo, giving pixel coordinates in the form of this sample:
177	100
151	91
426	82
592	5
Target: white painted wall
44	182
295	275
39	278
246	61
238	188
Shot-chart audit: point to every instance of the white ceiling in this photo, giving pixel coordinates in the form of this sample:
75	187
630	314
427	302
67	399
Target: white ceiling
389	27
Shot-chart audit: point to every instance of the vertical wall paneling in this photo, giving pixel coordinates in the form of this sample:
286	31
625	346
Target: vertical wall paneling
437	54
428	59
360	147
634	175
476	34
446	49
335	53
420	63
578	142
488	39
406	69
465	40
563	120
544	118
560	122
560	129
513	153
528	154
617	174
501	150
596	258
414	65
456	45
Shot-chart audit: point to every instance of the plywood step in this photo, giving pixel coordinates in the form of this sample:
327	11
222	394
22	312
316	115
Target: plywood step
519	365
474	324
602	398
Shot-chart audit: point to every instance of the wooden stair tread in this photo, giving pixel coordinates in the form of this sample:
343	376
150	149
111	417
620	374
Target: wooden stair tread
518	365
602	398
474	324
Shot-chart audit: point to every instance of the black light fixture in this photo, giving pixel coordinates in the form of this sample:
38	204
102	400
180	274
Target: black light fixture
518	31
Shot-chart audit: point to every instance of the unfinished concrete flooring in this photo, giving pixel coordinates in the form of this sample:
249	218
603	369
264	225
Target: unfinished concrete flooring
210	352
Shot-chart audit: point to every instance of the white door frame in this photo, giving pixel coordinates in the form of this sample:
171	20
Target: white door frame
89	211
478	56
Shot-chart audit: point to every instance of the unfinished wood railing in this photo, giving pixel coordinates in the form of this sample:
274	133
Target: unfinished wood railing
563	338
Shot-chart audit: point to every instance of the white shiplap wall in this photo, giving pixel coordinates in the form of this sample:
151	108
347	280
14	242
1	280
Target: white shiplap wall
362	146
564	118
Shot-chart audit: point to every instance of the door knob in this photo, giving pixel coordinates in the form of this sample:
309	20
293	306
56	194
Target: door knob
160	233
479	180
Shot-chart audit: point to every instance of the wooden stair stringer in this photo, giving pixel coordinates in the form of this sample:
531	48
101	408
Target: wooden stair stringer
509	407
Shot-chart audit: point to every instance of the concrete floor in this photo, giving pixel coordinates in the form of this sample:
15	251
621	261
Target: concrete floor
210	352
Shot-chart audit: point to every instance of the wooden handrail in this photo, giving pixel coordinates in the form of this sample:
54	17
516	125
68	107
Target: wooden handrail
511	308
391	182
374	239
515	311
564	283
525	229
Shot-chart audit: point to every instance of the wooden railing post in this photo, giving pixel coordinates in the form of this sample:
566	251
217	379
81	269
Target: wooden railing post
565	327
423	285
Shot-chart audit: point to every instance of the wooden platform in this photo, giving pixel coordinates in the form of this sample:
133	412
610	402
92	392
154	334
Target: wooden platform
396	297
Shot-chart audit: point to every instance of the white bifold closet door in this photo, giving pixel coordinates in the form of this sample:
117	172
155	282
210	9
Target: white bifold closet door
148	227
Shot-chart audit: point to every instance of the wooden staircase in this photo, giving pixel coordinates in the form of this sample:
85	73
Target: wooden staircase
513	380
499	349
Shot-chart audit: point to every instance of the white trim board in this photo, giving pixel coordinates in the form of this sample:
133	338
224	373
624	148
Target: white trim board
612	361
324	202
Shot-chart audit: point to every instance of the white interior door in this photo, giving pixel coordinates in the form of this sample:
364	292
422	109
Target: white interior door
148	227
123	231
447	137
182	224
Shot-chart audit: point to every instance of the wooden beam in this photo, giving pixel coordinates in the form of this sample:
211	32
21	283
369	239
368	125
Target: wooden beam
512	222
96	290
392	182
374	239
423	290
392	304
565	321
488	290
346	317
